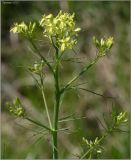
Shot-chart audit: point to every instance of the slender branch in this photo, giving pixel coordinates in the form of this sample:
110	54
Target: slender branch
44	99
73	119
63	118
85	154
106	133
81	73
119	130
101	123
98	94
69	60
42	57
39	124
80	84
46	107
37	82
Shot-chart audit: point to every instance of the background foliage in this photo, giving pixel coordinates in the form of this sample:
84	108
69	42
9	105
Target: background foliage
110	77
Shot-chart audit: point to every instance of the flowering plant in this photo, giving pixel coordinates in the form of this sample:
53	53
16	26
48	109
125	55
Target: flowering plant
61	31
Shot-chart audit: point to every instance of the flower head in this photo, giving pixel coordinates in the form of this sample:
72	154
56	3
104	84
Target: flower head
93	146
24	29
121	118
16	108
103	45
37	67
62	28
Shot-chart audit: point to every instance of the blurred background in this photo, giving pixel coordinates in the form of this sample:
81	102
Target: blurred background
110	77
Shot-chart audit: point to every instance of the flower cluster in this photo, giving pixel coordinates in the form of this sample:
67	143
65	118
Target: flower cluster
93	146
121	118
37	67
24	29
16	108
103	45
62	28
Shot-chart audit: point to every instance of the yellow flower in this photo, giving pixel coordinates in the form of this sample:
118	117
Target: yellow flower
62	28
103	45
37	67
122	118
109	42
17	28
16	108
24	29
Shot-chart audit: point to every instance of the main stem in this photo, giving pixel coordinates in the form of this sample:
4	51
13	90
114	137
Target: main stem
56	107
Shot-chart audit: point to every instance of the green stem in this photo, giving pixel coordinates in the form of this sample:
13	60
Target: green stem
39	124
46	107
55	135
41	56
82	72
86	153
56	108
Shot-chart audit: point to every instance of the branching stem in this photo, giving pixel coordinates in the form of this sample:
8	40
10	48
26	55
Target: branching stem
81	73
41	56
38	124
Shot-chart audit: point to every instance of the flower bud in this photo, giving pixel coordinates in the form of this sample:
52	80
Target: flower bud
121	118
16	108
37	67
103	45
